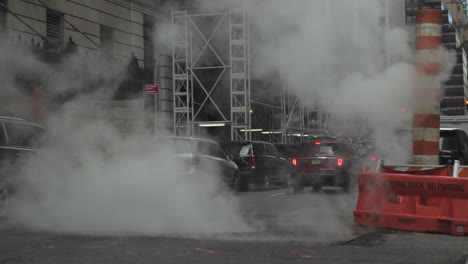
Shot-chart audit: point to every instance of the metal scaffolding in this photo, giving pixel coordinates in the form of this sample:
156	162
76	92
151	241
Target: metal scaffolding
240	76
180	72
201	69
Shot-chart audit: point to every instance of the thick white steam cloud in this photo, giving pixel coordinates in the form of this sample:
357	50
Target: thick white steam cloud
90	178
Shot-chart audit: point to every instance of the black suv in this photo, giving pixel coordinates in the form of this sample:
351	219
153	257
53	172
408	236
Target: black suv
260	163
18	138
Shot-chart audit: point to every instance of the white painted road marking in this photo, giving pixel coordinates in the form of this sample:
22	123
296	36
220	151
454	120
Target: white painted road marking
289	214
278	194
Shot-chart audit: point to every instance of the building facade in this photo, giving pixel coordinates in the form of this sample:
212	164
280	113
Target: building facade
122	32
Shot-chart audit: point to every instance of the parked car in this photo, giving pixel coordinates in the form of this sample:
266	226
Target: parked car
259	162
453	145
18	138
325	163
201	155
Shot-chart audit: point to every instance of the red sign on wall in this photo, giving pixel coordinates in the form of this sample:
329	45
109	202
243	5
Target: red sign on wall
152	88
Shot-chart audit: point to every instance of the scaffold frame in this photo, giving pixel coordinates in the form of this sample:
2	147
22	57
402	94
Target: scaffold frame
240	75
186	70
182	104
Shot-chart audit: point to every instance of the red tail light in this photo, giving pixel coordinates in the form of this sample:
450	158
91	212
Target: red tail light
374	158
318	143
294	162
254	161
339	162
192	161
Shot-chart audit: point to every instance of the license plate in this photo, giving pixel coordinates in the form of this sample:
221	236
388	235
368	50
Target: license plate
315	162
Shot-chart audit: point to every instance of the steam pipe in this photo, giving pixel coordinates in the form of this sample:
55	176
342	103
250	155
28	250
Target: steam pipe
426	92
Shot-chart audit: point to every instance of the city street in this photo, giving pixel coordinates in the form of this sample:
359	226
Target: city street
160	131
305	228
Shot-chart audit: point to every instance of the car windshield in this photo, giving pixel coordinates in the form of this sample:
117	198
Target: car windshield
183	146
22	135
448	141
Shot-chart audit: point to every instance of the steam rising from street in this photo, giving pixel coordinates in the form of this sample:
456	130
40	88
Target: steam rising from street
90	179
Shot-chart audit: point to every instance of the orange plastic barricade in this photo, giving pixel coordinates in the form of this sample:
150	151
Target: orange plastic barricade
463	172
413	203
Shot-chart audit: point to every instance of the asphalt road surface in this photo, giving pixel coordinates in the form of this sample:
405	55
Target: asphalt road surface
305	228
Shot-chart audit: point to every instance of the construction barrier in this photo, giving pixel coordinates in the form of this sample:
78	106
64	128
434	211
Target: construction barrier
413	203
463	172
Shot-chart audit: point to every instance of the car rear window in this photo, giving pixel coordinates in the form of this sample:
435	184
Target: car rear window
326	148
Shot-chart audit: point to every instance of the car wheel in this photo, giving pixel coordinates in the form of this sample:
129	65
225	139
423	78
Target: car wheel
244	183
267	181
236	183
316	187
3	203
347	185
287	182
297	185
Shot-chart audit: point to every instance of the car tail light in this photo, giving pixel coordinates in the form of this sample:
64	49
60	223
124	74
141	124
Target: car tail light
374	158
339	162
318	143
254	161
192	161
294	162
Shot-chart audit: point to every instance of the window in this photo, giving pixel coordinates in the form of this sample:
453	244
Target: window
183	146
54	27
218	151
270	149
107	42
2	136
259	149
448	141
21	135
463	141
203	148
245	151
148	46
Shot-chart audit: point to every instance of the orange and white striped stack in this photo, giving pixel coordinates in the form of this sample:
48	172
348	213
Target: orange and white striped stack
426	96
